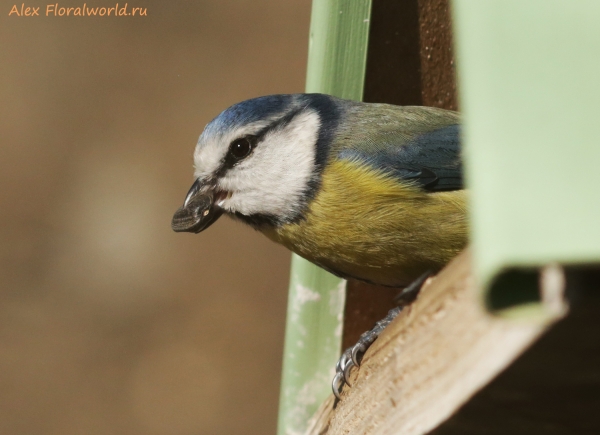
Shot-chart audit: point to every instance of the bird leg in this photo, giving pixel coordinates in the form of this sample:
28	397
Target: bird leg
352	356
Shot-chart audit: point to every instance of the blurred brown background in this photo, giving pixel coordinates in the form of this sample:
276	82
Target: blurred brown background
110	323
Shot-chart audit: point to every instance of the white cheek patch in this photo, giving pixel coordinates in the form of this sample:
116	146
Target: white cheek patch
274	179
209	153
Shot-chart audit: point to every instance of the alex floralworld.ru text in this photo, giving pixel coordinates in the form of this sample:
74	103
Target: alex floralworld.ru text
54	10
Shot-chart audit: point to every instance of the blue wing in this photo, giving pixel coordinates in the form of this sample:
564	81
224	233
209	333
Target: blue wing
414	143
431	160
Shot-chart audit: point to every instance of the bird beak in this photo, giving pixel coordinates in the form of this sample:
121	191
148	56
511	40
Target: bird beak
198	212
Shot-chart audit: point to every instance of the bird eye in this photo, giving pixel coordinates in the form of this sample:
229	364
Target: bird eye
240	148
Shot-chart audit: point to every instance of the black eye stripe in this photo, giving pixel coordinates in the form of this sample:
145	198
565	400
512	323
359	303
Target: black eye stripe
230	160
279	124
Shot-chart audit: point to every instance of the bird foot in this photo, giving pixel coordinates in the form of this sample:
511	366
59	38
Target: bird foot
352	356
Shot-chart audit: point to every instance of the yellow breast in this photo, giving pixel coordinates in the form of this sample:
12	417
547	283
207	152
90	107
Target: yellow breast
367	225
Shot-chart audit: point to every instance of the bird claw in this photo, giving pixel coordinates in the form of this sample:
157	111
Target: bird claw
353	355
346	372
337	384
342	375
358	347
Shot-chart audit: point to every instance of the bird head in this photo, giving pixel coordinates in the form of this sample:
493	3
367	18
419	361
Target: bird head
259	161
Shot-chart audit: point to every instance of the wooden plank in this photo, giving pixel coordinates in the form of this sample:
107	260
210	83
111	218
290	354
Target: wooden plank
409	62
434	356
438	75
393	73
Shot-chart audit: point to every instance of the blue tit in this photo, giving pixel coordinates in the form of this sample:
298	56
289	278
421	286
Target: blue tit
366	191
